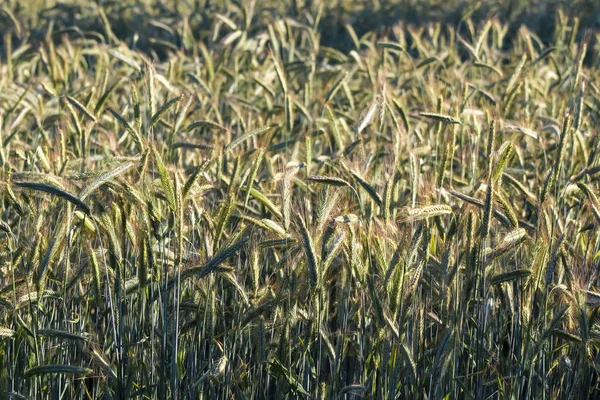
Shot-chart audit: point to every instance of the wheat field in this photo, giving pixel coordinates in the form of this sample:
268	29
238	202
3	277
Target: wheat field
264	200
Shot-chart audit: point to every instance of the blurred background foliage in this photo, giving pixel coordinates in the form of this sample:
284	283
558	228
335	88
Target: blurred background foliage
143	23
